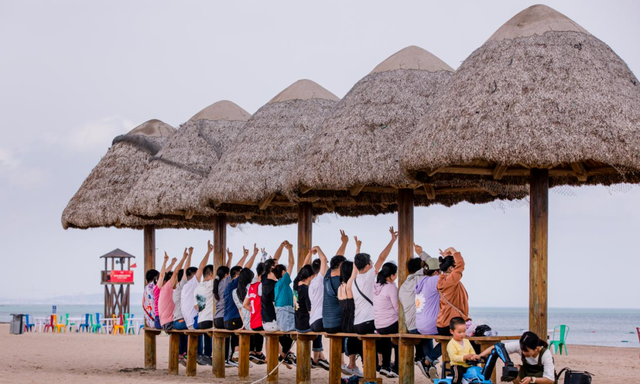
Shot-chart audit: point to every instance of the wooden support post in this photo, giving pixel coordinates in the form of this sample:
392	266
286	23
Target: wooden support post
219	244
369	357
303	365
243	357
174	351
335	359
405	252
539	219
273	351
305	225
192	354
149	350
218	356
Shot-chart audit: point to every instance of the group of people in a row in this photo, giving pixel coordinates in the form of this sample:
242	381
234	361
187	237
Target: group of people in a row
331	296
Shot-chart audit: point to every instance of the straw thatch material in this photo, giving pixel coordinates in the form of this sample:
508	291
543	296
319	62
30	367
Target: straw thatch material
257	166
541	92
359	144
170	187
99	201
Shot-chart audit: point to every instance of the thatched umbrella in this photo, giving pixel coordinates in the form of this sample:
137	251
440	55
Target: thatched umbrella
250	177
170	187
354	158
99	201
541	102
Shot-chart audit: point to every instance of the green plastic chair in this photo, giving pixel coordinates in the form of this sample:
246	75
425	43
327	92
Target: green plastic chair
559	342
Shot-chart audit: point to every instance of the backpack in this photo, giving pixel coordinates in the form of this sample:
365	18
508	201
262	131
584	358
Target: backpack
574	377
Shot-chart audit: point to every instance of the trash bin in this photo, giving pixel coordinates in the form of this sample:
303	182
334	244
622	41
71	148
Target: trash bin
17	324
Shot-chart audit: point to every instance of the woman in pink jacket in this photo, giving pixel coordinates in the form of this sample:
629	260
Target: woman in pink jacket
385	315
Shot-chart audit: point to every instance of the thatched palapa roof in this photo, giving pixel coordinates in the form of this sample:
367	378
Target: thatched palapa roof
99	201
170	188
250	177
541	92
354	158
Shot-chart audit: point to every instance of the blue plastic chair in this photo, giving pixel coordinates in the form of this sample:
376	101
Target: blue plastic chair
28	327
86	324
131	329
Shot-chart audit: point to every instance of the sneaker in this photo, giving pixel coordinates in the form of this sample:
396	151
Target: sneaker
182	359
377	368
352	371
290	359
323	363
385	371
433	373
208	360
235	356
200	360
258	358
424	368
392	373
314	364
231	363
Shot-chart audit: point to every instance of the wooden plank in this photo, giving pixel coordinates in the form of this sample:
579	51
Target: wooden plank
305	231
273	351
499	171
150	350
430	191
303	364
355	190
243	357
335	359
174	352
437	170
264	203
405	242
192	354
369	358
305	190
330	204
218	356
580	171
539	219
189	214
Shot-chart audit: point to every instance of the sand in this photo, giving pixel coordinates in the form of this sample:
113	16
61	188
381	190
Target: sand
108	359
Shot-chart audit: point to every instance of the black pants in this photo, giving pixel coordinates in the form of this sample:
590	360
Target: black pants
257	341
457	371
207	339
232	325
366	328
384	345
285	342
219	323
316	326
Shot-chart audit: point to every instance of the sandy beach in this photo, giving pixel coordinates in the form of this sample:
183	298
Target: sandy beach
108	359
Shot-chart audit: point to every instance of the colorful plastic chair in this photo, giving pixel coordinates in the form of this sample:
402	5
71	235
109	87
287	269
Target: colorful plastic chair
49	325
84	325
59	326
562	331
96	326
28	327
117	327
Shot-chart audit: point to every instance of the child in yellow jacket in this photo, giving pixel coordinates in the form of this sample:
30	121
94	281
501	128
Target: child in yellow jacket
459	349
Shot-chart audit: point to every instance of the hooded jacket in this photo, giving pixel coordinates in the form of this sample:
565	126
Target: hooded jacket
407	295
453	294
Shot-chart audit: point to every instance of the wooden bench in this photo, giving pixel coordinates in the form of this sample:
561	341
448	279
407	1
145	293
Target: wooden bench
303	346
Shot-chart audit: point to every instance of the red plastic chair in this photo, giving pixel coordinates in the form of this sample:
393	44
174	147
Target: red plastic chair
50	325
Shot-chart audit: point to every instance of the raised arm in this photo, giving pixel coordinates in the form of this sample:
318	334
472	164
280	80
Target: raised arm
276	256
174	277
252	259
387	250
163	270
204	261
456	275
358	244
352	278
292	261
187	265
343	246
307	260
245	253
421	253
324	265
229	258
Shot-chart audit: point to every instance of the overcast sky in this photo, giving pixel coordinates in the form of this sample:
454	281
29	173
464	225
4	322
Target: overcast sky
75	74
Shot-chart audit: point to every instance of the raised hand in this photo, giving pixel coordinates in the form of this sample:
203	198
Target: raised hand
174	260
394	234
315	250
245	251
229	253
209	246
358	242
417	248
190	251
255	248
166	257
343	237
288	245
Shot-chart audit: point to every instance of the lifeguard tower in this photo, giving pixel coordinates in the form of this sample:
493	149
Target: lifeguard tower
116	282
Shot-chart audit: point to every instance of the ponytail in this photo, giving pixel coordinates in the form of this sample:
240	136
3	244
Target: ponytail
246	275
305	273
220	274
387	270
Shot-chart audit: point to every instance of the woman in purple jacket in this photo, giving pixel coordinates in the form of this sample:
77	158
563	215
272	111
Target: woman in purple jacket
428	307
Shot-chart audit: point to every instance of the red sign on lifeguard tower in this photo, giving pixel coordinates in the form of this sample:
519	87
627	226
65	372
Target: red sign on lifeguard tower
121	277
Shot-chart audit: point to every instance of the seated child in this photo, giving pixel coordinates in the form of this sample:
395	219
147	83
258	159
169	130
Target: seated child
459	349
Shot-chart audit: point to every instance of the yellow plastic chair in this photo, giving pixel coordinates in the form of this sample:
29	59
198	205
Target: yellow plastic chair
117	327
58	326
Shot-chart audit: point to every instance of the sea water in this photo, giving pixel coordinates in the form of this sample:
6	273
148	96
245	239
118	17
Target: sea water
605	327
